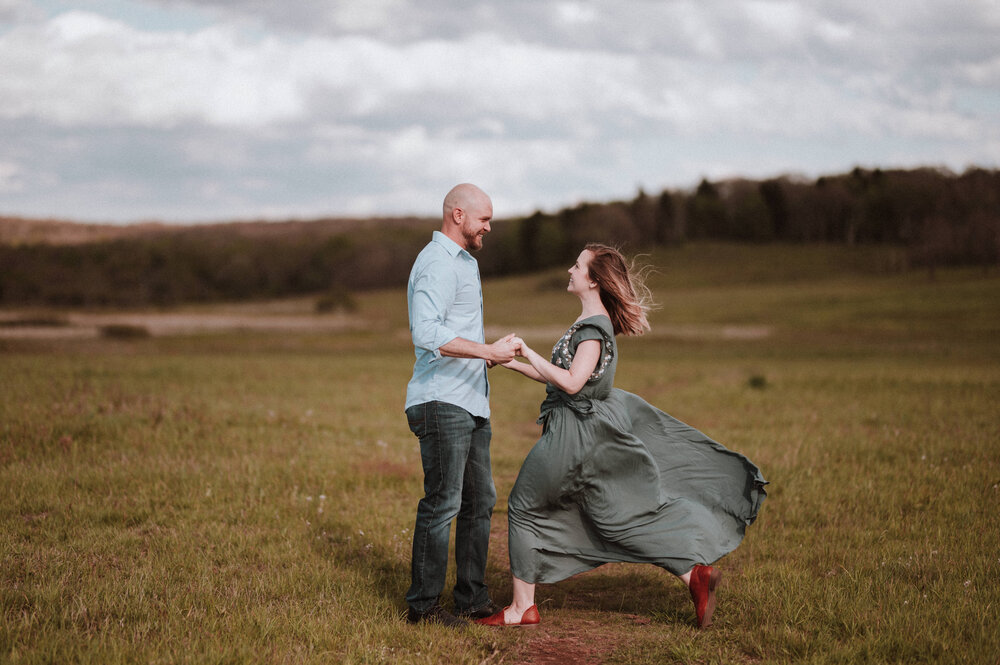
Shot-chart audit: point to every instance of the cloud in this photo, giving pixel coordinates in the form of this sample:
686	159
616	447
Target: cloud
11	177
81	68
12	11
227	107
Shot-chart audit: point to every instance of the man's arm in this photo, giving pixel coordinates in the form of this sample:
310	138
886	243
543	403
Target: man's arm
433	290
499	352
431	294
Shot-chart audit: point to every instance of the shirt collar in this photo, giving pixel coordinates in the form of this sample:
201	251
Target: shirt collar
450	245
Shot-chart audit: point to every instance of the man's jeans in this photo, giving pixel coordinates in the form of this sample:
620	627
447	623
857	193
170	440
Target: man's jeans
455	450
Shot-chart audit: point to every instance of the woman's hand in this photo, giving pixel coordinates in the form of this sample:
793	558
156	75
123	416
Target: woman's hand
521	349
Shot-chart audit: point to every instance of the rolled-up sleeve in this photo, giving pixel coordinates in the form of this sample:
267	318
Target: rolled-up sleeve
433	291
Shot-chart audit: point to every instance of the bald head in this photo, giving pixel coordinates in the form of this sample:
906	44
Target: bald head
463	196
467	214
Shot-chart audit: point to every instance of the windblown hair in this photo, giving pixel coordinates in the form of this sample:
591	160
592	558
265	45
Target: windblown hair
623	289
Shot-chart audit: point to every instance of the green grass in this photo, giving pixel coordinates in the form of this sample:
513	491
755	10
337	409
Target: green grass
249	497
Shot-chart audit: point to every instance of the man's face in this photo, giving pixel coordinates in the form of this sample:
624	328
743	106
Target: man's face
476	224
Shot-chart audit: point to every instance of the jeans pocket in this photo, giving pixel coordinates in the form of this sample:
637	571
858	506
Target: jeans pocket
416	418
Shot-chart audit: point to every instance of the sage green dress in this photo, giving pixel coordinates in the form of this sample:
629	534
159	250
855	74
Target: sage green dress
614	479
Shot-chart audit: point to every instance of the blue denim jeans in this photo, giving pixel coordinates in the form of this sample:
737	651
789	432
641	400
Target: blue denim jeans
458	482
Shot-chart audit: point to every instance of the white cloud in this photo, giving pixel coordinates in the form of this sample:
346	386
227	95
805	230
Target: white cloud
81	68
360	106
11	178
17	10
366	16
576	13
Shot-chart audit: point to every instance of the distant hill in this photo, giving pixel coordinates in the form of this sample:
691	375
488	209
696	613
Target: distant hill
938	217
15	231
21	231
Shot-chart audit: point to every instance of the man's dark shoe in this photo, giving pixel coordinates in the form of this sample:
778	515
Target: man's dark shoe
489	609
438	615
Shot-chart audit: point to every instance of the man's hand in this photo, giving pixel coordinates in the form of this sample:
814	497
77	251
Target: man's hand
502	351
518	346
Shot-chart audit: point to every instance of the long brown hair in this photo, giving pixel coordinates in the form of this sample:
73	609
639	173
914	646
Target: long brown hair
623	290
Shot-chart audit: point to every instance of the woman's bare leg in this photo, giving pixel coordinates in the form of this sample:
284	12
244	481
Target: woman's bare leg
524	597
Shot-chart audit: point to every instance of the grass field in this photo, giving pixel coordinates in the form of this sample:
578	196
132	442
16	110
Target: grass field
249	496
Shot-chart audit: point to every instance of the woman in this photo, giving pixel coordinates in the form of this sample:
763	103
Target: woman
613	479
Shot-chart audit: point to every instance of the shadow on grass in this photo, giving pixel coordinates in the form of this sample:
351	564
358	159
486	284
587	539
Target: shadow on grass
623	588
634	589
375	566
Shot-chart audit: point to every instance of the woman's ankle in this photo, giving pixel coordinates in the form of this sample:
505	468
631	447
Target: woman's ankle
517	610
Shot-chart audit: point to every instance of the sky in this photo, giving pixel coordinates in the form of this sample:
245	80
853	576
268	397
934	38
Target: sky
123	111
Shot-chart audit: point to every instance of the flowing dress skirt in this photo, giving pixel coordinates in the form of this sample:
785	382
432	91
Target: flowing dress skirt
618	480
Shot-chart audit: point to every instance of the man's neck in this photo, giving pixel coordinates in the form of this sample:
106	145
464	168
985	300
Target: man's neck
454	236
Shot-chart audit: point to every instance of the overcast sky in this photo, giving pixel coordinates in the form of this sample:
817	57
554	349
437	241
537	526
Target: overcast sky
129	110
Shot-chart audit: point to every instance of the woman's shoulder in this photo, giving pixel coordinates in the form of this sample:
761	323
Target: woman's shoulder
597	320
597	327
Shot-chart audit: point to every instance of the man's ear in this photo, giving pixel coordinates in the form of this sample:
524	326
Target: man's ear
457	215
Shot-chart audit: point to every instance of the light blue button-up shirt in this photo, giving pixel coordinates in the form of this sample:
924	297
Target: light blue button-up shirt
445	300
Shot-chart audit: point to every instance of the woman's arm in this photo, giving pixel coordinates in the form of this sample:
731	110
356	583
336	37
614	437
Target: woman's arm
571	380
526	369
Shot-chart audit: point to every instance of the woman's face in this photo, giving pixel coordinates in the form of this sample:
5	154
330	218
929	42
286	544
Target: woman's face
579	274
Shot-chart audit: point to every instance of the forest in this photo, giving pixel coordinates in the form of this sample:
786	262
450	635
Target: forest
937	217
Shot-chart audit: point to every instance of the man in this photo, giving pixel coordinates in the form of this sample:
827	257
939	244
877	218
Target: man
447	408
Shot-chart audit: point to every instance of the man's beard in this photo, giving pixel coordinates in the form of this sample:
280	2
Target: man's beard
473	241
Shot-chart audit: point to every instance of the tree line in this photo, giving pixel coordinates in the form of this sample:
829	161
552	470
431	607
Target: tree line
941	218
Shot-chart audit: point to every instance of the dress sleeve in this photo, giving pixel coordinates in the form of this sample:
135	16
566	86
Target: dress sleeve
585	332
589	331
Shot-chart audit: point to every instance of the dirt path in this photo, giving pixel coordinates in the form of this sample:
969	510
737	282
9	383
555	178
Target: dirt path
293	316
571	641
75	325
579	639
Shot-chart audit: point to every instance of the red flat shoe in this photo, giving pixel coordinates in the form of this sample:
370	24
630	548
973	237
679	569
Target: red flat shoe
704	579
529	618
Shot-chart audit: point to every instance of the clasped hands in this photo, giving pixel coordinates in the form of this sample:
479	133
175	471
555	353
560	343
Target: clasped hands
504	350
